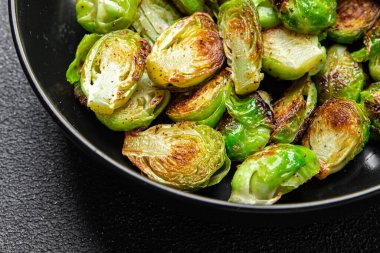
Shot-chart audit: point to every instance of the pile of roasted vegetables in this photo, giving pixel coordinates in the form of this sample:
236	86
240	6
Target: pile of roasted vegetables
201	62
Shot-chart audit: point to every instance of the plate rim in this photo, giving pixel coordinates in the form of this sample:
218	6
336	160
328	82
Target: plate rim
91	150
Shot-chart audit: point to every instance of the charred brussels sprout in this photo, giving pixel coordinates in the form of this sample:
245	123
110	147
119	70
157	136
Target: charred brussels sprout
112	69
187	53
372	42
185	156
306	16
105	16
338	132
205	106
370	99
73	73
153	18
248	125
289	56
188	7
267	14
354	18
140	110
340	76
292	111
240	29
273	171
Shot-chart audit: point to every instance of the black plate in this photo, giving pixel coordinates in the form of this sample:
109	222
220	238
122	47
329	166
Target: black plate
46	35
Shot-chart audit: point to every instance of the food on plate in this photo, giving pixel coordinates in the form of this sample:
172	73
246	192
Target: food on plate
204	106
240	30
248	125
293	111
354	18
341	76
370	100
271	172
337	133
187	53
106	16
289	55
184	155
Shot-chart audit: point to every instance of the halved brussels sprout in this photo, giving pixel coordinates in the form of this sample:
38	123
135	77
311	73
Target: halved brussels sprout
267	14
188	7
372	42
306	16
340	76
370	100
273	171
205	105
73	73
185	155
292	111
354	18
112	69
338	131
153	18
248	126
140	110
289	56
187	53
106	16
240	29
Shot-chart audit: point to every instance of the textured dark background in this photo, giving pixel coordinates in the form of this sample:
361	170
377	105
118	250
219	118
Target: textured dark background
54	198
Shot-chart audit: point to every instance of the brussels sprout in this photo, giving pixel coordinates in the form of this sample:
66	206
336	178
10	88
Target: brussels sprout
140	110
289	56
205	106
370	100
248	126
187	53
292	111
338	131
340	76
153	18
188	7
267	14
112	69
184	155
305	16
372	42
240	29
273	171
105	16
354	17
73	73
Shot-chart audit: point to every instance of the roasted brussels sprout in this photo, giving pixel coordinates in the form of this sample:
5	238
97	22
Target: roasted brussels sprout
240	29
112	69
105	16
340	76
205	105
370	100
293	110
73	73
372	42
188	7
354	18
140	110
248	125
153	18
184	155
338	131
267	14
187	53
273	171
289	56
305	16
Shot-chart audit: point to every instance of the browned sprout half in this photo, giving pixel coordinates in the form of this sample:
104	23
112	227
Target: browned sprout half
185	156
338	132
354	18
187	53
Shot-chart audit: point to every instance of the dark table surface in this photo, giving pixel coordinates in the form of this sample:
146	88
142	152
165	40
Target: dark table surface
54	198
